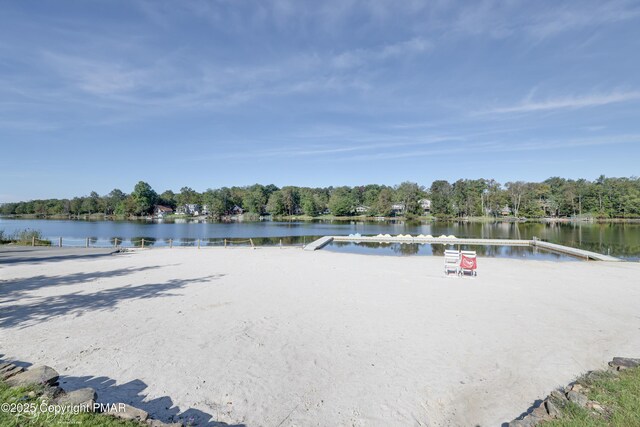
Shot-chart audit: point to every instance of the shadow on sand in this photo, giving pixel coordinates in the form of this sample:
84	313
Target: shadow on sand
38	255
132	393
20	310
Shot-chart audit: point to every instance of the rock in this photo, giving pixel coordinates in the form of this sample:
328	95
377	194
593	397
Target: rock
577	398
51	392
129	412
40	375
552	409
540	413
527	421
595	406
10	372
621	363
558	395
156	423
6	366
84	396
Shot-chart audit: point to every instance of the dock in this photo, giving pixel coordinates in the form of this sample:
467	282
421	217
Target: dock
319	244
580	253
451	240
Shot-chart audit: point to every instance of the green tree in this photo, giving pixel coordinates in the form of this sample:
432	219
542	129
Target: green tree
409	194
441	198
342	202
144	198
255	199
275	205
383	203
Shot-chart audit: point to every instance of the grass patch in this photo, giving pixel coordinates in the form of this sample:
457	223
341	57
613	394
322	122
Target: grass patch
31	397
618	394
24	237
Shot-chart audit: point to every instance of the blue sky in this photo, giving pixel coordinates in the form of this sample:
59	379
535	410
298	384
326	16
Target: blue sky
96	95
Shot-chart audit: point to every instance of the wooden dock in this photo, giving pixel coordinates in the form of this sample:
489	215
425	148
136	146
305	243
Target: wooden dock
318	244
552	247
580	253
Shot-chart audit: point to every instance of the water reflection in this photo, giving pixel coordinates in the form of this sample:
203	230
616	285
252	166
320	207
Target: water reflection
142	241
407	249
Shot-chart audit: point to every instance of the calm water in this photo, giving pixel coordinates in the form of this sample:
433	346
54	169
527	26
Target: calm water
410	249
621	240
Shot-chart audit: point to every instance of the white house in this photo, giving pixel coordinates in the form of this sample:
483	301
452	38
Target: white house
188	209
397	208
160	211
425	204
362	209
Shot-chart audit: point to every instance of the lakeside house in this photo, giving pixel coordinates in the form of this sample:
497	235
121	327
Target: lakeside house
505	211
189	209
362	209
237	210
425	204
161	211
397	209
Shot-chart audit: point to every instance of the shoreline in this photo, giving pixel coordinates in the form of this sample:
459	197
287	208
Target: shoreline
304	218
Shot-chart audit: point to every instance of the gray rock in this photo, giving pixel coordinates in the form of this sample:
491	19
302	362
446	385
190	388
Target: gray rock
10	372
6	366
558	395
51	392
577	388
39	375
577	398
156	423
596	407
129	413
84	396
527	421
540	413
624	363
552	409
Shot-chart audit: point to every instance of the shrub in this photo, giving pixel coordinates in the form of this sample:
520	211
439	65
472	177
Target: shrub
26	237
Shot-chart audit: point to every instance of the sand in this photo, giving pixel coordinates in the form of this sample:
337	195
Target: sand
283	337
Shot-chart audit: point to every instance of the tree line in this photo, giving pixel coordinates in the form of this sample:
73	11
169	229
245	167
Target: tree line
554	197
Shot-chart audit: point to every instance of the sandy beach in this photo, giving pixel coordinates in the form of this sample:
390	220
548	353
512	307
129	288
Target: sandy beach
283	337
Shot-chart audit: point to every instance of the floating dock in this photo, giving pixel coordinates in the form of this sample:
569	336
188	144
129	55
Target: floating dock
450	240
319	244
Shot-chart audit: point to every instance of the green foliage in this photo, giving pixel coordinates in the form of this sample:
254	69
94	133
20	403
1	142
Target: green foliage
144	198
342	202
32	395
255	199
275	205
619	394
554	197
441	198
26	236
409	194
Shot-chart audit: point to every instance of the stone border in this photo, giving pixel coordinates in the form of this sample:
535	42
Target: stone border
16	376
576	392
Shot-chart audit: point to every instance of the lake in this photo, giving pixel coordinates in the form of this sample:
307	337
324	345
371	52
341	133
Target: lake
616	239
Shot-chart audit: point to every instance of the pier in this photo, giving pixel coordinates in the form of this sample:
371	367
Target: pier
451	240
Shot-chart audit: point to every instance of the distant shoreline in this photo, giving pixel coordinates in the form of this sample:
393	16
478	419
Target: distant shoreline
242	218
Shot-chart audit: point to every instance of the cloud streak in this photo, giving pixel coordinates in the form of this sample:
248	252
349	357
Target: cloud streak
595	100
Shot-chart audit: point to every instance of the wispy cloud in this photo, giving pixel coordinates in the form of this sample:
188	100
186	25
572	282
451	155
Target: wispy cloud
572	102
503	147
359	57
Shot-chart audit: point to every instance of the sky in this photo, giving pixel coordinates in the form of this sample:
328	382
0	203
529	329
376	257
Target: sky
97	95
